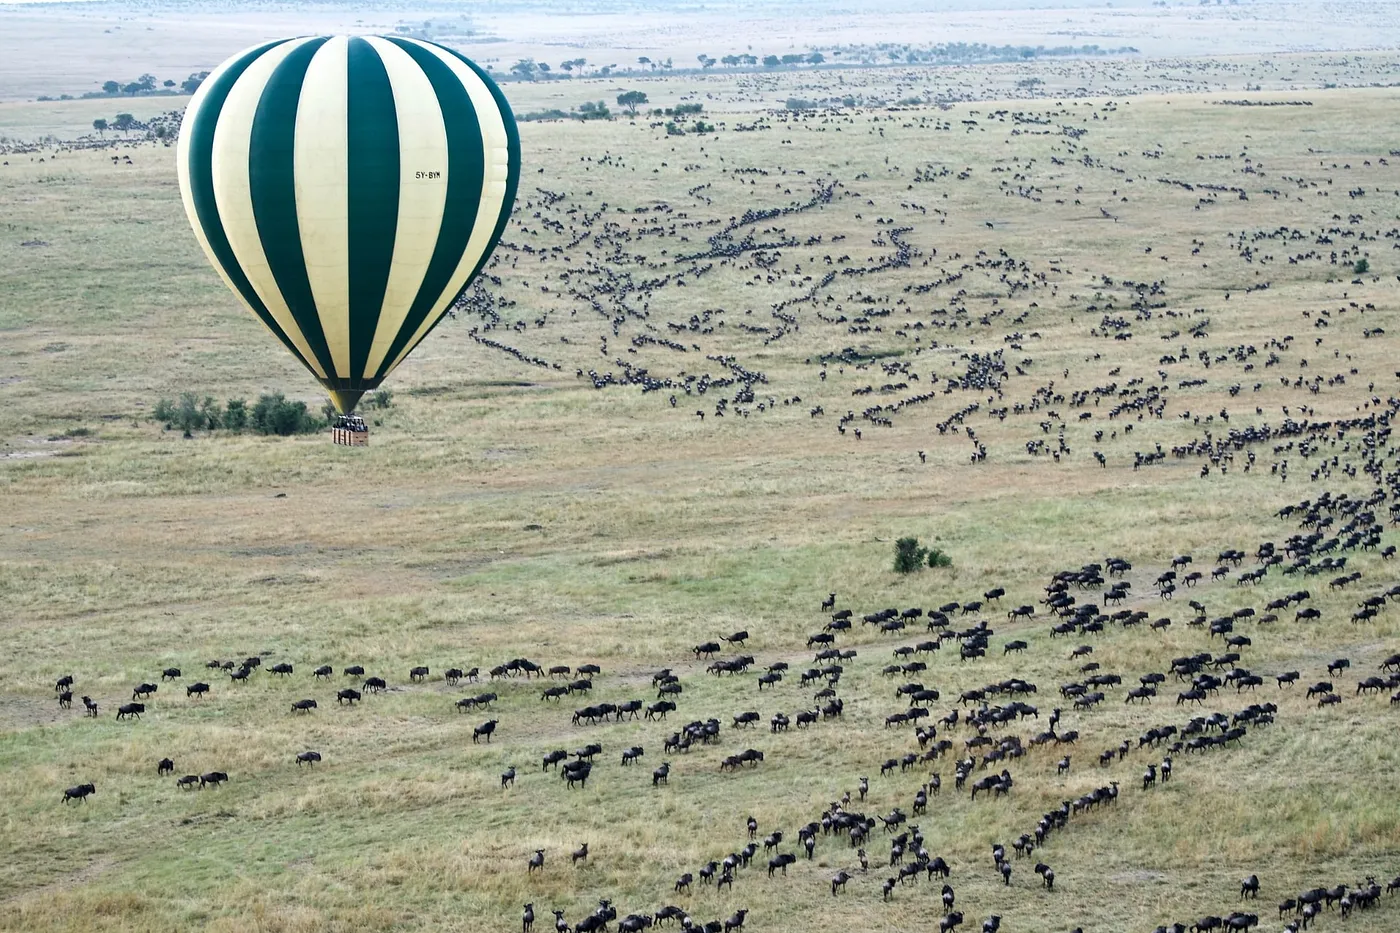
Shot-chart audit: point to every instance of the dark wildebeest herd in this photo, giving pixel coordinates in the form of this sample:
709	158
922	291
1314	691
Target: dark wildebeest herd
947	345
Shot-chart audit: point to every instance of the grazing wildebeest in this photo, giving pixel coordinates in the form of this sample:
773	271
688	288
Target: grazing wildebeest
486	728
187	782
214	778
347	696
374	685
308	758
303	706
170	673
1047	875
325	670
165	766
79	793
418	674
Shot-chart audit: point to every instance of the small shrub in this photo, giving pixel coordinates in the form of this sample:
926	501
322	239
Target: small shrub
274	414
164	412
1362	266
236	415
937	557
908	556
380	398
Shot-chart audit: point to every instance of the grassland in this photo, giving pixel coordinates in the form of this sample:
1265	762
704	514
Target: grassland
508	510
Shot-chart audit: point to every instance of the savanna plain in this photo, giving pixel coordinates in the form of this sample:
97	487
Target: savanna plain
710	378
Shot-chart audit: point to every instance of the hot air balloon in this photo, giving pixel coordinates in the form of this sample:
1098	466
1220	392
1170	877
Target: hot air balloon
348	189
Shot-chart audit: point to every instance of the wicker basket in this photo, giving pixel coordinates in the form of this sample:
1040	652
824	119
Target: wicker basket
350	431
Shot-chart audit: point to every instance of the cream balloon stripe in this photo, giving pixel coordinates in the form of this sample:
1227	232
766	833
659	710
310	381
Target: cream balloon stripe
348	190
197	183
272	191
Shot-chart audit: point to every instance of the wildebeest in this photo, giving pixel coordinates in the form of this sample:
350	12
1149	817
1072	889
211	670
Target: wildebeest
325	670
374	685
579	854
165	766
143	691
196	690
213	778
90	706
303	706
170	673
661	775
347	695
308	758
418	674
130	709
487	728
536	862
79	793
283	669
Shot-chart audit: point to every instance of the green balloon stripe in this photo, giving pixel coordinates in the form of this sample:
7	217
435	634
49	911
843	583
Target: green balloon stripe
373	195
466	178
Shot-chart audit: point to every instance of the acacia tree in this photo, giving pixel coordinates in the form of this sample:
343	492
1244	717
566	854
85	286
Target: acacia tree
631	100
124	122
100	125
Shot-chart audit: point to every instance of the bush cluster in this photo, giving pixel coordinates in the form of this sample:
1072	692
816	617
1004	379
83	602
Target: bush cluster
270	414
910	556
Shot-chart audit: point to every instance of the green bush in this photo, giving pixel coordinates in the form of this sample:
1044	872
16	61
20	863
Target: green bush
236	415
908	556
1362	266
937	557
274	414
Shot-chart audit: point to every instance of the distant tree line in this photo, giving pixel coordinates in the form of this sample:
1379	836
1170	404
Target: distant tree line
881	54
145	86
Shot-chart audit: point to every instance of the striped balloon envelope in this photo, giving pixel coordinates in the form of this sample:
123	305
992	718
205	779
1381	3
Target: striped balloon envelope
348	189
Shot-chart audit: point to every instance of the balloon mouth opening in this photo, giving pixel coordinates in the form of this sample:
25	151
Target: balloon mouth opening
345	400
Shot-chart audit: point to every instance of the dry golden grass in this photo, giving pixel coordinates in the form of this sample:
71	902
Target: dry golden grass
505	510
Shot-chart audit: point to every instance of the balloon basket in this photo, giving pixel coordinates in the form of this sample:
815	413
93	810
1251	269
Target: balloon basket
350	431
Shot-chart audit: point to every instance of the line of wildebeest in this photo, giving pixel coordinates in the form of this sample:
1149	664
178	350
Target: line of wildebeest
1078	598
